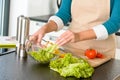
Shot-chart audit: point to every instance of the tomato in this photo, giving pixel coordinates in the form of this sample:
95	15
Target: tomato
62	55
91	53
99	55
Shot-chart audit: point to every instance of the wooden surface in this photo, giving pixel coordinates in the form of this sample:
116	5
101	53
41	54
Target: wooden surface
93	62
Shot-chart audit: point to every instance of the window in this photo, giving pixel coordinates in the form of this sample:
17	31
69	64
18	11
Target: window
4	18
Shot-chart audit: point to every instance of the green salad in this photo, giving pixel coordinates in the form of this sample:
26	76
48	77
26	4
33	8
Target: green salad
44	55
72	66
66	66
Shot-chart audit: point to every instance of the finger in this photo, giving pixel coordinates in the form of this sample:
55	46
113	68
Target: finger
40	36
64	40
65	34
40	45
34	36
33	39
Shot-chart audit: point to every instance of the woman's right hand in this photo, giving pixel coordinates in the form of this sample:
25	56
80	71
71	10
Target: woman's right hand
37	36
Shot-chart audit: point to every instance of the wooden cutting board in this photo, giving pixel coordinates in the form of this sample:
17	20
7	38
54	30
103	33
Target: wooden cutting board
93	62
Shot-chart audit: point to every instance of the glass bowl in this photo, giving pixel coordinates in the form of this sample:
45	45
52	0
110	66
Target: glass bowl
42	55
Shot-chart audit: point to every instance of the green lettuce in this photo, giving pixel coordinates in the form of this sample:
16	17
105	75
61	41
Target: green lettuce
44	55
72	66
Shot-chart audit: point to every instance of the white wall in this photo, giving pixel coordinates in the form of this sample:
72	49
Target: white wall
29	8
41	7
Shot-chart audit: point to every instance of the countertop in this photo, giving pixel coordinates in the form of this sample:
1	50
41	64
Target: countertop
43	18
13	67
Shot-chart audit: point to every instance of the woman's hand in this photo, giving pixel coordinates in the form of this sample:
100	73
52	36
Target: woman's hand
70	36
67	37
37	36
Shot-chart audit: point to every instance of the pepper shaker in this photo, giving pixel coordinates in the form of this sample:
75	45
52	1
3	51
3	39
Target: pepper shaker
22	35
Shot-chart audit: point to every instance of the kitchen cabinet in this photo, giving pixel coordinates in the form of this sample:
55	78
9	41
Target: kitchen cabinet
117	55
35	25
118	39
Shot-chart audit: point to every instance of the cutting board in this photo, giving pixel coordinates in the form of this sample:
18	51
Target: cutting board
93	62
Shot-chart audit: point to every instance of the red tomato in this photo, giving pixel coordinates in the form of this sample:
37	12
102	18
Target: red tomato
91	53
99	55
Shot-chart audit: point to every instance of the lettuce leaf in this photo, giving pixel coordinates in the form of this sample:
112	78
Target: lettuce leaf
44	55
72	66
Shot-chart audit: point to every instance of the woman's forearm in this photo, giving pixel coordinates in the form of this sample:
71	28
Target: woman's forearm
86	35
50	26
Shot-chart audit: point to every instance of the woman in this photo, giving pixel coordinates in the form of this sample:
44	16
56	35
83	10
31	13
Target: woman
92	26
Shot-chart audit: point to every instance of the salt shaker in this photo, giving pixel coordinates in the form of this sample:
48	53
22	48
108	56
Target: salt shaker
22	35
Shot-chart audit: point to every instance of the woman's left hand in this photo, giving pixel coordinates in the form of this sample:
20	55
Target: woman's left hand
67	37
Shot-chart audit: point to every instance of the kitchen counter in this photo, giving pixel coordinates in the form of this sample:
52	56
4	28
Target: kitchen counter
43	18
14	68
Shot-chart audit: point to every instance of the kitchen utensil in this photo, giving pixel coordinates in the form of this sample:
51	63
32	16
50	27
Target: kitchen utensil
22	34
